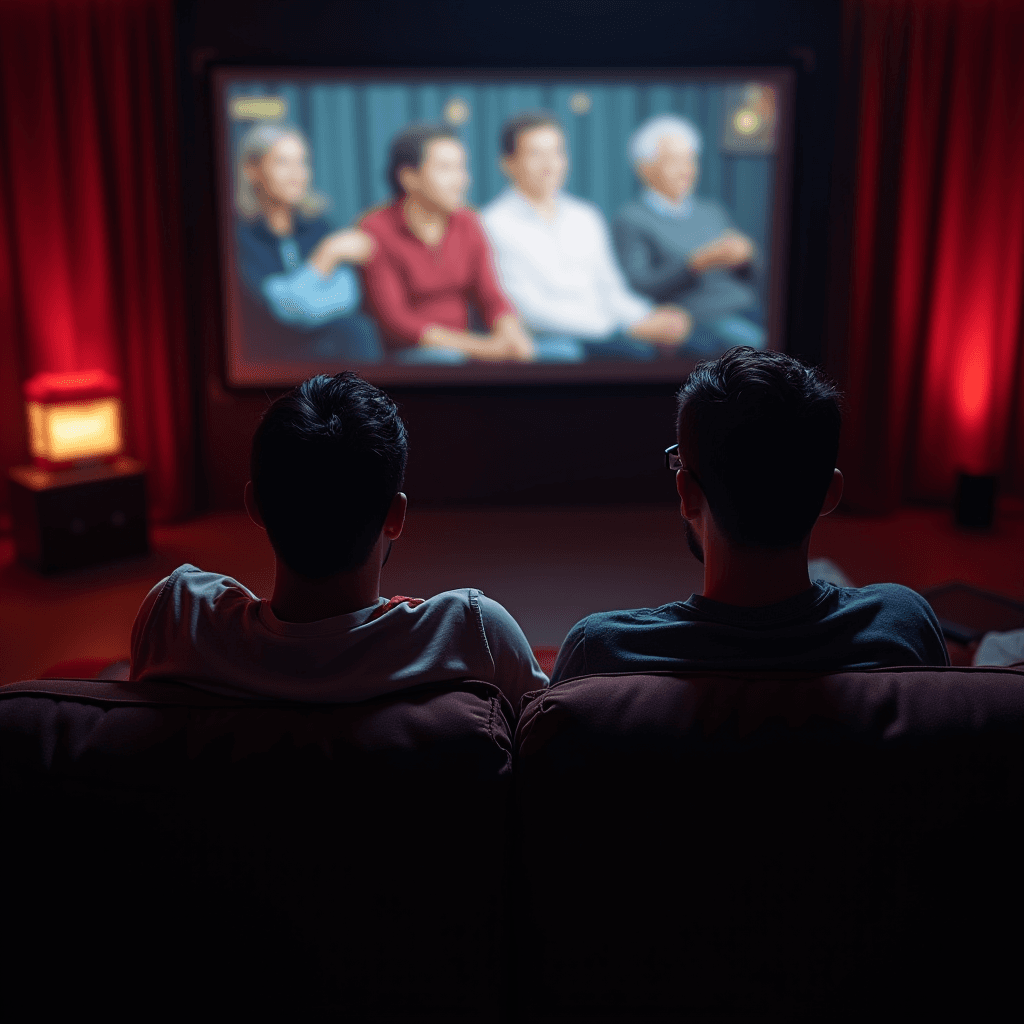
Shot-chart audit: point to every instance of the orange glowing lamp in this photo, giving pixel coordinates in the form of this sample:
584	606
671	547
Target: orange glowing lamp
74	419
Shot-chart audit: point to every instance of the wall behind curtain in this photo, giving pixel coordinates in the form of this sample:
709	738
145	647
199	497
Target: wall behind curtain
350	127
90	221
936	320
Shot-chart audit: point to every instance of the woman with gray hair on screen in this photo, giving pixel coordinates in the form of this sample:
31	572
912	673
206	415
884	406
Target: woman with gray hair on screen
293	266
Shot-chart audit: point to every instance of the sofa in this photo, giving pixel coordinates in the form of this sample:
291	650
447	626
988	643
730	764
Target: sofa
170	854
719	847
773	847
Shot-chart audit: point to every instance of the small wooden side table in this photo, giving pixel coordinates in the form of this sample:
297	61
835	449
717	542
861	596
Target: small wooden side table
69	518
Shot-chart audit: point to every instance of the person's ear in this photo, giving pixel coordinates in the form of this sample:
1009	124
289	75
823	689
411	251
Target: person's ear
249	497
506	166
691	497
395	520
408	179
834	493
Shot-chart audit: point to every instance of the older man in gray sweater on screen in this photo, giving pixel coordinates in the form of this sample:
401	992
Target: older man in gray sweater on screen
675	247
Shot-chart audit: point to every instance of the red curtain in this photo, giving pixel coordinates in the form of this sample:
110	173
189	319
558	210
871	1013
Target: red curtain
936	325
90	213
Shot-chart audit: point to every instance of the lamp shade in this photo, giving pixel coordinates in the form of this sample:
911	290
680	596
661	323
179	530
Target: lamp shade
73	418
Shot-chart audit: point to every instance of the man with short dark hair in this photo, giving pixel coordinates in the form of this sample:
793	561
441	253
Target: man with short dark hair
432	261
555	257
327	464
757	438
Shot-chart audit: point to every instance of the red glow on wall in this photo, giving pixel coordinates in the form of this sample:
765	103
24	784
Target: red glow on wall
970	341
90	219
972	397
937	319
973	386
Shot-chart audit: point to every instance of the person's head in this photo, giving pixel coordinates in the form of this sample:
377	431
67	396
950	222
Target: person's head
273	169
758	433
533	154
665	152
428	162
327	462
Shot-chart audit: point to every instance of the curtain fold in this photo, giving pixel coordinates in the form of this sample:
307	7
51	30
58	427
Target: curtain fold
936	325
90	211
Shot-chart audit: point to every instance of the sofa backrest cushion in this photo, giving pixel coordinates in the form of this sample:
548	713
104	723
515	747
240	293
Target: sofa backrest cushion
741	846
256	857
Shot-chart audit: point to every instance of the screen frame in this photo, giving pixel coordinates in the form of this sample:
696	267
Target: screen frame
476	376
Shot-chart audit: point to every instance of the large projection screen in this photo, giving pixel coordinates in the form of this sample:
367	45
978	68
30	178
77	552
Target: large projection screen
616	276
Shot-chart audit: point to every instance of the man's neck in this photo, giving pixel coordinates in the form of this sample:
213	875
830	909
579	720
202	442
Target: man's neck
754	577
300	599
279	218
426	221
546	205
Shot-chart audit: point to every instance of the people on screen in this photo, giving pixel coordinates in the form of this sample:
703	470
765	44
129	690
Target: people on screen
537	277
683	249
556	261
299	272
433	264
327	464
757	435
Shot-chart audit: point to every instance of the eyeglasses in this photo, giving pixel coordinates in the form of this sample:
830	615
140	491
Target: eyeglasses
675	463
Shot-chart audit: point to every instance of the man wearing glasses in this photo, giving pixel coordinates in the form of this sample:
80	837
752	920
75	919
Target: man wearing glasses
754	462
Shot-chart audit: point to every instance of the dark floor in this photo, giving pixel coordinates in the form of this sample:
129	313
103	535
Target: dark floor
548	566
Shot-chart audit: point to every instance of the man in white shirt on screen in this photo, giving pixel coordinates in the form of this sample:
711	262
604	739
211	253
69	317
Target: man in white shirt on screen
555	258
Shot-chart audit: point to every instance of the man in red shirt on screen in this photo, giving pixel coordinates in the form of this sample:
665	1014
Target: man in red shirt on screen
433	261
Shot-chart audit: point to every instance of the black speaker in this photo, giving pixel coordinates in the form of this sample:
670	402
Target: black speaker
975	500
66	519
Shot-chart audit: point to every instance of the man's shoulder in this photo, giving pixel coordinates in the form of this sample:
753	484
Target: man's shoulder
379	219
191	582
461	597
620	640
503	212
466	220
581	208
453	616
894	620
465	600
709	211
461	603
623	619
185	604
892	596
705	204
634	213
502	201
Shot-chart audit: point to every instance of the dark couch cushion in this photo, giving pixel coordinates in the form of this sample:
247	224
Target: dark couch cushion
775	847
175	852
